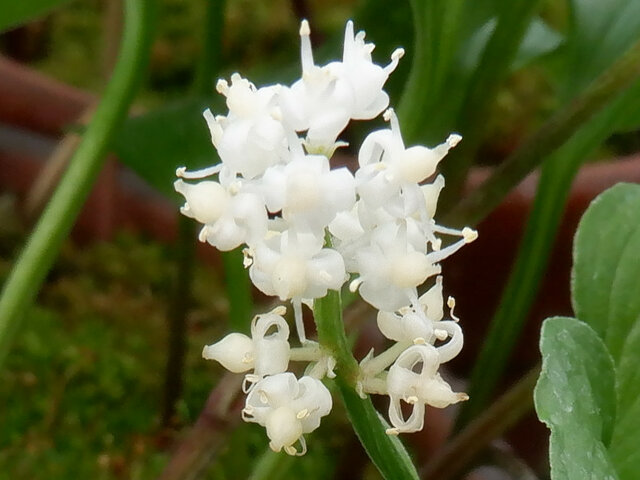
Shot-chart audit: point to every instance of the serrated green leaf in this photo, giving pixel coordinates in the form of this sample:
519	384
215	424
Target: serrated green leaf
156	143
16	12
605	286
575	397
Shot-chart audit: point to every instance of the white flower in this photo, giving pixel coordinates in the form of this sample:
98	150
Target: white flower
230	219
294	265
324	100
308	193
411	324
417	388
262	353
387	167
288	408
251	137
391	268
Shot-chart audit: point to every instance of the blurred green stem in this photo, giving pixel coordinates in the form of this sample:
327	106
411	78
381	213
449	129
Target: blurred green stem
554	186
40	252
473	208
512	22
435	24
179	304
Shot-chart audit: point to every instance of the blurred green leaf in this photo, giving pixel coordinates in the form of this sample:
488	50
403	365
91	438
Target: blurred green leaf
14	13
575	397
599	33
605	287
156	143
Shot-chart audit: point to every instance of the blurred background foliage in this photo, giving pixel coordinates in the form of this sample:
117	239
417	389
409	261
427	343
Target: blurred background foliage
80	393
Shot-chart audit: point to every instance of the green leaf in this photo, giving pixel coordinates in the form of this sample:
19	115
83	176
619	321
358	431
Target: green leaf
626	435
605	287
14	13
156	143
386	451
599	33
575	397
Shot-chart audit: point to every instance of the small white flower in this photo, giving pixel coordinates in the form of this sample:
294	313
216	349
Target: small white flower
265	354
324	100
229	219
417	388
308	193
388	168
411	324
251	137
294	265
391	268
288	408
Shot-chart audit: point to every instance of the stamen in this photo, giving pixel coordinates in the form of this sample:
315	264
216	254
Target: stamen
451	303
198	174
297	313
397	54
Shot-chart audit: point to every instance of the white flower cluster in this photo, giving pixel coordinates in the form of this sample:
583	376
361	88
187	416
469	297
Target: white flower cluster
276	194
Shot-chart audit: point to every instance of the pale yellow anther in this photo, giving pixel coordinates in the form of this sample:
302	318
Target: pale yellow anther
263	397
392	431
305	30
419	341
412	400
353	286
290	449
469	234
302	414
440	334
279	310
222	87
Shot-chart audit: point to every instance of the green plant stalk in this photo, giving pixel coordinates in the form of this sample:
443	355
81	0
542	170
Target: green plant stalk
386	452
272	465
556	178
555	132
435	26
515	16
41	249
179	304
505	412
210	59
238	289
236	282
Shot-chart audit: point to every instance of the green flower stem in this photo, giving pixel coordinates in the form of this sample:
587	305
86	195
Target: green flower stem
308	353
551	136
556	178
513	21
55	224
505	412
386	452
